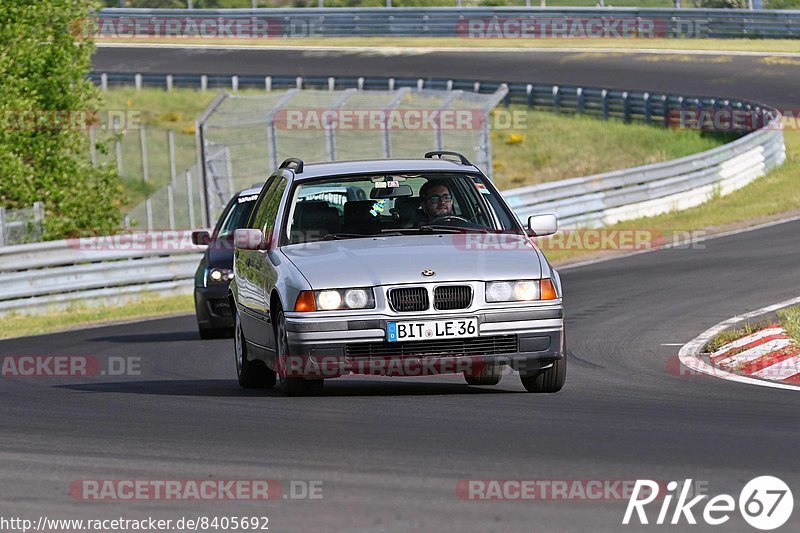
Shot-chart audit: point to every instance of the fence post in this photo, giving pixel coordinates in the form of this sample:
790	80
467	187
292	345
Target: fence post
92	146
173	174
2	226
143	143
171	206
189	196
148	206
117	146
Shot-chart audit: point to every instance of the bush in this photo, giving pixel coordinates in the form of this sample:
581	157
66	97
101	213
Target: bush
42	76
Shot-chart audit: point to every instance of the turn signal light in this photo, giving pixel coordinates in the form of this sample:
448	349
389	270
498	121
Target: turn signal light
547	290
305	302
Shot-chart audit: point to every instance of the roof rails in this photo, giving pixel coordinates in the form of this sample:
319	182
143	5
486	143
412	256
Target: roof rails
440	153
298	169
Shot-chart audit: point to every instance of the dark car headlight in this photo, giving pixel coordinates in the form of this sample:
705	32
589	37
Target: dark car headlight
218	275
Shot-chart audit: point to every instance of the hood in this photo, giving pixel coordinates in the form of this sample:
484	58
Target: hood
401	259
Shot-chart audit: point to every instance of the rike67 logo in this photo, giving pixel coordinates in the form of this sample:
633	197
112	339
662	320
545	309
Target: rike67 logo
765	502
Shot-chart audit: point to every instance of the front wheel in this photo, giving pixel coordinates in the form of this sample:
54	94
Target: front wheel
548	380
251	374
292	385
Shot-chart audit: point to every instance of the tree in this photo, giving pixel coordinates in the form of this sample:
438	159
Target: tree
45	54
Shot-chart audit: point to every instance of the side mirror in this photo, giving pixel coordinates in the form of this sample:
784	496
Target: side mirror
542	225
248	239
201	238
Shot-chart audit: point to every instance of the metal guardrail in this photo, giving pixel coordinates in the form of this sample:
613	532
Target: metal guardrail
58	274
467	22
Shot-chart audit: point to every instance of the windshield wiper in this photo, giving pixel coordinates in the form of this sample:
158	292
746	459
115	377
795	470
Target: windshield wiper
451	229
337	236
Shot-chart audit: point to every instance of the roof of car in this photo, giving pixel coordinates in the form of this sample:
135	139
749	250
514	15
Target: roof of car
249	192
378	166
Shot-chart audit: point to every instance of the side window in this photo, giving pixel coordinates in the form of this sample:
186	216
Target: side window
259	213
272	203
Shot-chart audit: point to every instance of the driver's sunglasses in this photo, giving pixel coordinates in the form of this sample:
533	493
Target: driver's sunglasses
440	198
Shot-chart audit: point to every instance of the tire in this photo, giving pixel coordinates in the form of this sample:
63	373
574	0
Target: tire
292	385
251	374
549	380
489	375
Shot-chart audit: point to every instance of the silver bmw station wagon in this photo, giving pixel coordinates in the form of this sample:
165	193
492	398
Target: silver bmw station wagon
398	267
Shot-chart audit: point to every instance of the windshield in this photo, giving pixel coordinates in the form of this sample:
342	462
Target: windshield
359	206
236	216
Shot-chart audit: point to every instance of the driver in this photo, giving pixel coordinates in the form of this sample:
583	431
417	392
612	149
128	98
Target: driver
435	200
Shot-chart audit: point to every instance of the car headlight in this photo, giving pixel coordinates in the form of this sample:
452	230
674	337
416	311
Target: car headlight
218	275
335	299
520	291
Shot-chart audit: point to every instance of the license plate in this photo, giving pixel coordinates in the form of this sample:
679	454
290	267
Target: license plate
432	329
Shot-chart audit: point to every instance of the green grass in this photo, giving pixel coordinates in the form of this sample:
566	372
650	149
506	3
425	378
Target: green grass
554	147
788	318
745	45
82	315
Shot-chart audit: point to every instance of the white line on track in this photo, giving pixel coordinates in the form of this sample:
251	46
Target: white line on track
689	353
428	49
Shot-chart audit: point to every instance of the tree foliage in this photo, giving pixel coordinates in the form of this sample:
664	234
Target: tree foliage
44	58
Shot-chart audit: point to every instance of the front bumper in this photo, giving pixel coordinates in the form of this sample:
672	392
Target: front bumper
527	340
212	307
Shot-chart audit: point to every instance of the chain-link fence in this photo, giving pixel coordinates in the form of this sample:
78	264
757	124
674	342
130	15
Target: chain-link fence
242	138
21	226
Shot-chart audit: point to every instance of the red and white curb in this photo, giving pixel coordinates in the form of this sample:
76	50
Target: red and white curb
768	358
767	354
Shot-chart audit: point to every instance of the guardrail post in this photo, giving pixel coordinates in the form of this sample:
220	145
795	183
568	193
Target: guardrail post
529	91
169	82
299	83
137	81
268	83
665	109
203	82
626	107
556	99
604	96
2	226
391	84
476	87
104	81
420	84
360	84
647	110
580	100
449	85
234	83
331	83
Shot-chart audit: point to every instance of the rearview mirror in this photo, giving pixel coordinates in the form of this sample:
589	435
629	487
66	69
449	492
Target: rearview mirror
379	193
201	238
248	239
542	225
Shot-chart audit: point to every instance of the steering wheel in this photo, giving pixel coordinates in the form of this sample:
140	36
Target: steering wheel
449	218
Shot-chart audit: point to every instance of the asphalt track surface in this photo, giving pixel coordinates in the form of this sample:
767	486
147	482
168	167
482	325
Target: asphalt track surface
390	452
